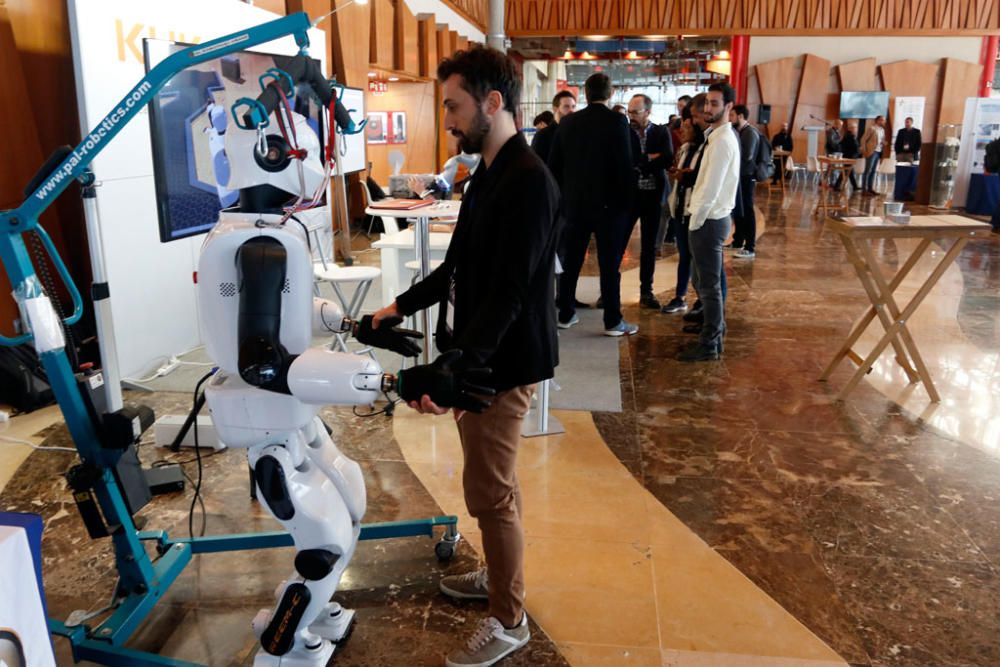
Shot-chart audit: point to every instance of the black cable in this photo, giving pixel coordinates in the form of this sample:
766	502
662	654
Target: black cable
389	408
197	454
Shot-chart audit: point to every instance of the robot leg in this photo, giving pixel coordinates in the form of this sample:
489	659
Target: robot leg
300	630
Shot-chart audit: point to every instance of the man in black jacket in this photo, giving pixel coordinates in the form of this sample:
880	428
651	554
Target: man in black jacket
782	140
908	143
563	104
494	289
652	153
745	218
592	161
849	149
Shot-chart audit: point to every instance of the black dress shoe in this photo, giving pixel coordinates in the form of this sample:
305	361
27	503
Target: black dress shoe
577	304
699	352
696	315
649	300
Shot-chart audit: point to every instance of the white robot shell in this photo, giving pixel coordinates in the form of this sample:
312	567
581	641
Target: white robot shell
219	287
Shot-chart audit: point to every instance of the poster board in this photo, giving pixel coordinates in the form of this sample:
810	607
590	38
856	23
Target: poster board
980	126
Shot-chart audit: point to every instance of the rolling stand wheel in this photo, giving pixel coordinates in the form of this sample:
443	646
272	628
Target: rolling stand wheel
448	544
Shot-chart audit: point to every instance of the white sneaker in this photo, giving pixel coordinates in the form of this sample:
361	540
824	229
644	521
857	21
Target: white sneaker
743	253
490	643
469	586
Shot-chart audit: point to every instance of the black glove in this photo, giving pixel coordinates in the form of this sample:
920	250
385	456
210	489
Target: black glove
388	336
448	387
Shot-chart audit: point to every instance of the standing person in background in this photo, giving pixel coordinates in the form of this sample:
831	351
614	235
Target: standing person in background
872	145
543	120
745	237
563	104
684	174
849	149
783	141
592	162
620	108
834	135
712	201
496	320
908	143
652	153
682	102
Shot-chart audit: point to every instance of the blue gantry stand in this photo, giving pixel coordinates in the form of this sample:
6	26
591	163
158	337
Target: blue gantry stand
142	581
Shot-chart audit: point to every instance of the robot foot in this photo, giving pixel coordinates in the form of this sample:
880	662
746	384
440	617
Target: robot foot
334	623
297	657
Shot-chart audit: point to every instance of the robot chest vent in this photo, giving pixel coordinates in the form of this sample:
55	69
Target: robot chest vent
228	290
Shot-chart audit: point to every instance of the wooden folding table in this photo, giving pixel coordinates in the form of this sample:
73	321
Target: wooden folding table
857	235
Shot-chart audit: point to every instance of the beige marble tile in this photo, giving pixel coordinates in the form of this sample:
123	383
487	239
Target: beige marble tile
23	427
594	655
673	658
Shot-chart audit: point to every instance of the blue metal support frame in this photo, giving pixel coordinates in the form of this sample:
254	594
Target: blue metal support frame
142	582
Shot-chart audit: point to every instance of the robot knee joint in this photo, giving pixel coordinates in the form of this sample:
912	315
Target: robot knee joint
270	478
279	636
315	564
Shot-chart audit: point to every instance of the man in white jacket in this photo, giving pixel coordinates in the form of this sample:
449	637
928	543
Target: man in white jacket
711	203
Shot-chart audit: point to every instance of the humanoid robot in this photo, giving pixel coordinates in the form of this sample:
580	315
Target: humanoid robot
255	293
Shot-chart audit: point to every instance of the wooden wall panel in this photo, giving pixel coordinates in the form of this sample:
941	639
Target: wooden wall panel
418	101
462	44
857	75
452	43
406	41
427	45
443	45
382	31
777	82
351	42
811	101
959	81
751	17
908	78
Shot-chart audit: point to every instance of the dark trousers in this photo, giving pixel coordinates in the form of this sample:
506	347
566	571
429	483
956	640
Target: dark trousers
647	210
746	223
610	230
871	168
840	178
706	253
684	263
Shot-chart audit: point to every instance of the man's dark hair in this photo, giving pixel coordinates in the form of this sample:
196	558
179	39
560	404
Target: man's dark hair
484	69
877	117
684	98
647	101
728	94
909	118
671	117
597	87
559	97
741	110
697	102
546	117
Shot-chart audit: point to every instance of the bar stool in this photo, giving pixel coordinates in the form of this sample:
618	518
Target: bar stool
339	277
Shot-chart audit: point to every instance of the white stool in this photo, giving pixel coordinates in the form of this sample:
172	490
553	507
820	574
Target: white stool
414	266
338	276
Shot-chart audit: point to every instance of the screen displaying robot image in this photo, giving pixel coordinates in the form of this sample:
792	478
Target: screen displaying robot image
189	120
866	104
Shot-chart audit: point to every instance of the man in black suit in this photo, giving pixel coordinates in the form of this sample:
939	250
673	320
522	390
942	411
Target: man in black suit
652	153
592	161
849	149
908	143
563	104
782	140
497	312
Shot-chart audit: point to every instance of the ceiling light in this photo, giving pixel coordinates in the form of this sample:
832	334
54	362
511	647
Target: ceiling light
568	55
723	67
723	55
372	75
393	78
596	38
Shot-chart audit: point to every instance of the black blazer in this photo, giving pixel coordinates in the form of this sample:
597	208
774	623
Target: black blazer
910	137
502	262
849	146
542	143
658	140
591	160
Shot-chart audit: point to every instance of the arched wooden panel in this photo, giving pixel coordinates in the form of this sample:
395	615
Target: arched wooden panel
382	30
776	82
960	80
857	75
406	42
427	41
810	102
908	78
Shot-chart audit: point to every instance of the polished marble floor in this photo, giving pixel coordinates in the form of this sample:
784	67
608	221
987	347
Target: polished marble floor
733	513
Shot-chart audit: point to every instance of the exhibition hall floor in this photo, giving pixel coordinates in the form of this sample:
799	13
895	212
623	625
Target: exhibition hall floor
733	513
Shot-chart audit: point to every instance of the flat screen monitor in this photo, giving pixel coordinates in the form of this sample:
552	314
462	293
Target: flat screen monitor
188	120
866	104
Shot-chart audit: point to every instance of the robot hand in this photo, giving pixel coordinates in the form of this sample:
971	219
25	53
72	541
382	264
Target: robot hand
446	386
388	336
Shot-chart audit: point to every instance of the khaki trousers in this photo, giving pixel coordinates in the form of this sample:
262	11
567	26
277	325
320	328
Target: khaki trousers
493	497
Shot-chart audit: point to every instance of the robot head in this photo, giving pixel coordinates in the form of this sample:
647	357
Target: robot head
273	172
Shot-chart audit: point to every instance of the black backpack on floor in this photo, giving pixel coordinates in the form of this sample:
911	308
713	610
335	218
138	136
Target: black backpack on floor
23	382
